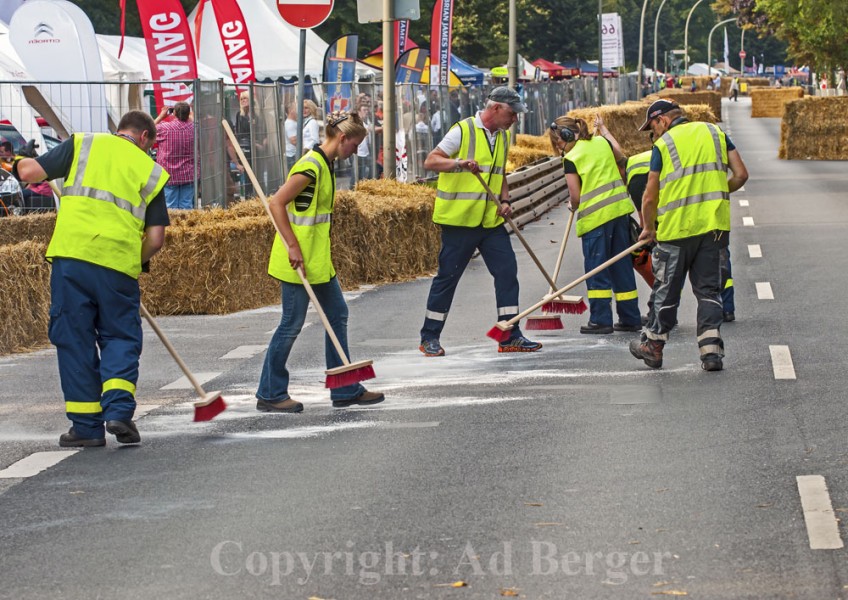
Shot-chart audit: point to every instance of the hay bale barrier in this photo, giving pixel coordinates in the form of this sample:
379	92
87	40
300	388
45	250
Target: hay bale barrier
35	228
815	129
25	289
686	98
770	102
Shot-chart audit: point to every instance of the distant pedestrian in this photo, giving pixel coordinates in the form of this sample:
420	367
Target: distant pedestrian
734	89
175	139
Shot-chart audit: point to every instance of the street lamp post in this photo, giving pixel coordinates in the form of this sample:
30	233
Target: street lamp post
686	39
710	45
656	29
641	42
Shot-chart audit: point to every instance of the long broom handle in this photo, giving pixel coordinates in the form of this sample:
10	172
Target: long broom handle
517	233
562	248
196	384
247	169
576	282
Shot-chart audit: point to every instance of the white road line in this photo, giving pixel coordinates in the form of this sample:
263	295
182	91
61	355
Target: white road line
764	291
748	221
142	410
243	352
183	383
781	362
35	463
754	251
822	526
742	189
743	203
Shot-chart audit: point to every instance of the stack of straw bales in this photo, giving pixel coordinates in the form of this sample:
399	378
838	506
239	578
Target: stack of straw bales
750	82
624	120
701	82
25	290
815	129
528	149
684	98
770	102
35	228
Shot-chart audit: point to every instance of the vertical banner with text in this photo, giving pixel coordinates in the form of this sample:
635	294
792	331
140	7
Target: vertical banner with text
169	49
234	38
410	66
612	41
401	36
441	31
340	72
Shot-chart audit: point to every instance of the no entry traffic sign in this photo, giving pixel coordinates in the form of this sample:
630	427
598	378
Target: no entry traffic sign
305	14
742	54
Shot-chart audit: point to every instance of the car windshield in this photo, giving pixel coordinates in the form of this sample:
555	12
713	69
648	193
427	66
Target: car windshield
9	133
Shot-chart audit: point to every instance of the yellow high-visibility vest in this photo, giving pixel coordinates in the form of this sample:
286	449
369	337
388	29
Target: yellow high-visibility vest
460	198
603	195
104	201
694	196
638	164
310	215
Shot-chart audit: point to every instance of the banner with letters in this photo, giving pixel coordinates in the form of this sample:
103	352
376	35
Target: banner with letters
411	65
441	32
401	36
340	73
170	50
234	37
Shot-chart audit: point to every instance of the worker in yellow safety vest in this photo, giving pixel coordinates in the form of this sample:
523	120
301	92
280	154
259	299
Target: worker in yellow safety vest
686	210
111	221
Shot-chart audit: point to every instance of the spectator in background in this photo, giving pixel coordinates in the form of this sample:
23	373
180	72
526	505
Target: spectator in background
363	151
175	154
734	89
247	126
717	82
6	150
453	100
311	130
693	87
291	132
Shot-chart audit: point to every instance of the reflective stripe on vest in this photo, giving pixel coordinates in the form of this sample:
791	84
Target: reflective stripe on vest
104	201
460	198
694	197
311	226
603	195
638	164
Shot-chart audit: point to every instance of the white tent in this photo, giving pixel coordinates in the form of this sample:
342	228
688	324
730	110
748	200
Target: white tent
275	43
701	69
135	56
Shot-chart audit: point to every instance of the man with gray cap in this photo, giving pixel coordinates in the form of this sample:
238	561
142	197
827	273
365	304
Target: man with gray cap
470	221
686	210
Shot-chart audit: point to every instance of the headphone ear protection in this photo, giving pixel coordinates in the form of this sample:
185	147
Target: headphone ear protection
565	134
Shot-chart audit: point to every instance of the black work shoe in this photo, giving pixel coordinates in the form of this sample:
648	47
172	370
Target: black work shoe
595	328
363	399
711	362
124	431
72	440
651	351
519	344
431	348
284	406
729	317
622	327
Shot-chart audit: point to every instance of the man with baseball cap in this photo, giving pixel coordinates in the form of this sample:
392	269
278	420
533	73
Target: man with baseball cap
686	210
470	221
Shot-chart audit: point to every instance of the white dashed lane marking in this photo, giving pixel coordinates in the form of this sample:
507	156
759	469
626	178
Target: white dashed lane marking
244	352
742	189
764	291
183	383
743	203
781	362
754	251
748	221
822	526
35	463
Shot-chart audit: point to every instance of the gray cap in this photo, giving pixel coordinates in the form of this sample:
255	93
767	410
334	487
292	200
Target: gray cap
509	96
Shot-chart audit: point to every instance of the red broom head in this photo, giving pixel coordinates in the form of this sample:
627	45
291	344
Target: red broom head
543	323
206	411
563	307
498	334
350	377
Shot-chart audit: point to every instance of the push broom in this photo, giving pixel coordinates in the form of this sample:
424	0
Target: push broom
500	332
350	372
210	404
566	304
544	322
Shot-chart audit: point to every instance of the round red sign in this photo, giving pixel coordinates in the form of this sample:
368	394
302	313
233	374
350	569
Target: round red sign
305	14
742	54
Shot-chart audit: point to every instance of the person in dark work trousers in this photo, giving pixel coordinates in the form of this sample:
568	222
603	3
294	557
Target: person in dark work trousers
469	220
592	166
686	210
111	221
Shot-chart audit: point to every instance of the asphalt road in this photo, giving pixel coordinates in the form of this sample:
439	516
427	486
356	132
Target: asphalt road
575	472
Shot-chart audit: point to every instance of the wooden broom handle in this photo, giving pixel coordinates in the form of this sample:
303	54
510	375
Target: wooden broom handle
562	248
197	387
309	290
576	282
517	233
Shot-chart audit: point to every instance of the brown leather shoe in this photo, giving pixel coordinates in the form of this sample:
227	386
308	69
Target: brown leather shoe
651	351
284	406
363	399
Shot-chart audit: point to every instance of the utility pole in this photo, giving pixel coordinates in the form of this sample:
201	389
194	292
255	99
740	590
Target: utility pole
601	95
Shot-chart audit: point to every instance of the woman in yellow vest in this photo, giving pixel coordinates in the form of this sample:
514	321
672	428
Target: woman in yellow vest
303	210
598	194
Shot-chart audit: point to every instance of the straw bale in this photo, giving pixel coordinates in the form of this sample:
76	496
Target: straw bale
539	142
35	228
815	129
623	121
685	98
523	155
751	82
25	289
701	82
770	102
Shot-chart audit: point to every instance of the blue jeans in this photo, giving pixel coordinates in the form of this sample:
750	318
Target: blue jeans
180	196
274	381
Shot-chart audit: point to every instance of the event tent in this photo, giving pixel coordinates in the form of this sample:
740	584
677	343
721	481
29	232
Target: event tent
135	57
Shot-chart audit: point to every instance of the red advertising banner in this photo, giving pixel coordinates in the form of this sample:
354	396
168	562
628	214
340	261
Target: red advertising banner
169	49
441	31
401	36
234	37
